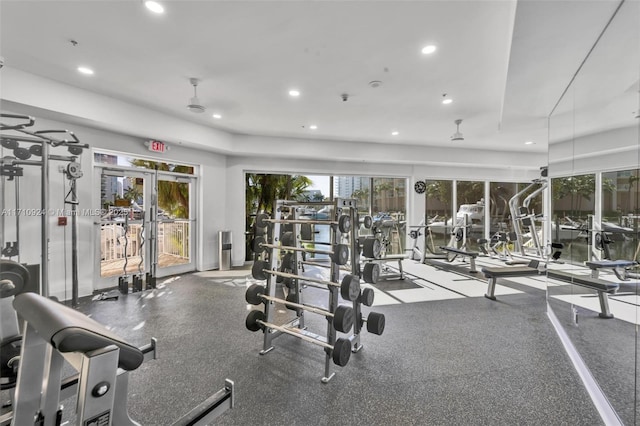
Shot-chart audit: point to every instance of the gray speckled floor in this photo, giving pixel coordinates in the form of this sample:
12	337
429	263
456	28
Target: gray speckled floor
468	361
455	362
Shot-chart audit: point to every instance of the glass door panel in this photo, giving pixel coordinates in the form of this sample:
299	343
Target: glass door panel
175	224
123	230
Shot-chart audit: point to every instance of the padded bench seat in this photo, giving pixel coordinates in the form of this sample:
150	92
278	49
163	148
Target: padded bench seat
495	272
456	251
68	330
602	287
618	266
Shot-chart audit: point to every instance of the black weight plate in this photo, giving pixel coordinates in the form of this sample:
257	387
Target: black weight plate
343	318
306	233
414	234
293	298
9	143
459	234
375	323
36	150
350	288
288	239
289	283
9	358
252	320
256	244
372	248
367	296
289	261
340	254
257	270
21	153
74	150
341	352
17	274
261	220
371	273
344	224
368	222
254	293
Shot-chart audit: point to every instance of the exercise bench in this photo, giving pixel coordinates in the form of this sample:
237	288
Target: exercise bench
492	273
619	267
459	252
604	288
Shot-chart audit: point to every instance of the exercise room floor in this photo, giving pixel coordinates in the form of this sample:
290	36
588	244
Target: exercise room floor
461	360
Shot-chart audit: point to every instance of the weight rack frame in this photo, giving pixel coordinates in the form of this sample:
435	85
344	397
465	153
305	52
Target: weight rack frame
340	206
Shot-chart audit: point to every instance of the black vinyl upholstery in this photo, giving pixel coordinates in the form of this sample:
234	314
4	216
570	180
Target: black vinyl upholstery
68	330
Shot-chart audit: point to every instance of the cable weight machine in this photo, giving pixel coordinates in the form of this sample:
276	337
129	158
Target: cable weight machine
16	137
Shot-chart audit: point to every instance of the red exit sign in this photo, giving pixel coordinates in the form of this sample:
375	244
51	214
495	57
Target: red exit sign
157	146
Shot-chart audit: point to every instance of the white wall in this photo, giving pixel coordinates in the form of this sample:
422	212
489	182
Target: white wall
211	216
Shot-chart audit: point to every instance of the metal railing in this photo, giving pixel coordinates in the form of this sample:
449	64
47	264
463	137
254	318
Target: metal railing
173	239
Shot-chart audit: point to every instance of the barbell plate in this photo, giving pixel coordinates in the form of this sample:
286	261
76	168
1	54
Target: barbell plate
21	153
340	254
257	270
459	234
306	233
368	221
254	293
288	239
9	143
74	150
343	318
287	227
371	273
367	296
9	350
372	248
17	274
414	234
344	224
293	298
36	150
256	244
350	287
375	323
341	352
252	320
261	220
289	261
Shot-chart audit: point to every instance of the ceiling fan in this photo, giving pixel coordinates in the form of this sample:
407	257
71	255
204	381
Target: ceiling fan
457	136
194	103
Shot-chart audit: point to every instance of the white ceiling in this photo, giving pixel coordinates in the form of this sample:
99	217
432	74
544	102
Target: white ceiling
504	63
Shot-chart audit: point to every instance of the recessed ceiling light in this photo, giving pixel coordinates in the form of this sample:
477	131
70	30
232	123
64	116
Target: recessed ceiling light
528	143
154	6
313	127
217	116
429	49
447	101
85	70
294	93
395	133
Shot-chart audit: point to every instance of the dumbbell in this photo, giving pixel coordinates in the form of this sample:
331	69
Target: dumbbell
340	351
342	317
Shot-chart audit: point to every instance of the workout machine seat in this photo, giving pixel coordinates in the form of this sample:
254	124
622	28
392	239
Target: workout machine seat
70	331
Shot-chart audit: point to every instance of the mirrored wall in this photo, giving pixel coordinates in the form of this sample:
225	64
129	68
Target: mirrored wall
594	146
